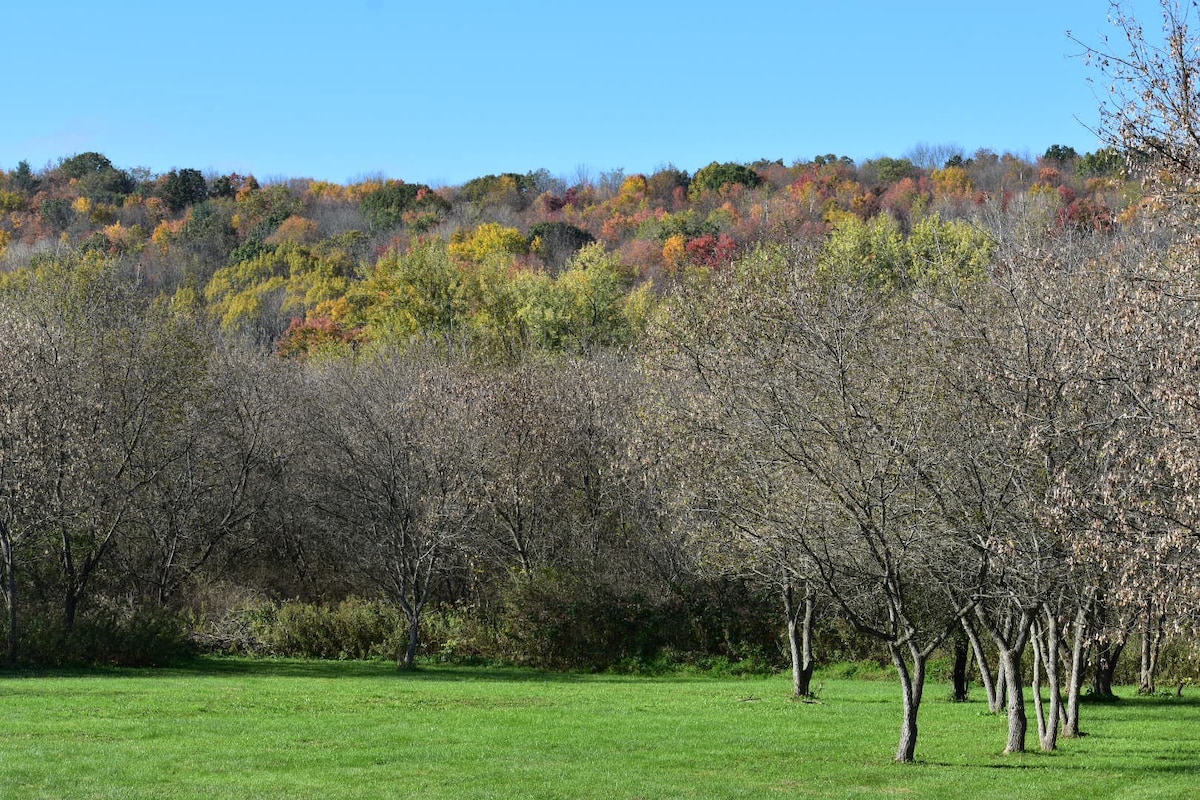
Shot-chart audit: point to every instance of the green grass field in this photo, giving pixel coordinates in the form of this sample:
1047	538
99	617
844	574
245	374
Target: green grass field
230	728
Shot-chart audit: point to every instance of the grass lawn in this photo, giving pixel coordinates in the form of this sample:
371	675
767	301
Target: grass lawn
231	728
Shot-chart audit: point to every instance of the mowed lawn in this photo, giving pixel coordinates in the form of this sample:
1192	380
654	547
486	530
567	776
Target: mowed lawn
231	728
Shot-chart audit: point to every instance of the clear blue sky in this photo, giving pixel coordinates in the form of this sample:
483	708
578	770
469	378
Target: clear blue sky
441	91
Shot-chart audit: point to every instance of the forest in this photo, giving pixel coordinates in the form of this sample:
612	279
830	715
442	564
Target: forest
938	410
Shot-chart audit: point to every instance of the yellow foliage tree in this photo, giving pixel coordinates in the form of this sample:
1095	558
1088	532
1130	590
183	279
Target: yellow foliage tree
675	252
262	292
952	181
488	240
295	230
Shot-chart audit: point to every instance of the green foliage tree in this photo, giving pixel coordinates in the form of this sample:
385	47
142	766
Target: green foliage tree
1103	163
421	292
1060	154
386	206
716	175
182	188
891	170
22	179
258	296
98	179
509	189
589	305
877	252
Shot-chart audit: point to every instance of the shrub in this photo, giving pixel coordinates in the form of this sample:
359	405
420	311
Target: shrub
112	634
353	628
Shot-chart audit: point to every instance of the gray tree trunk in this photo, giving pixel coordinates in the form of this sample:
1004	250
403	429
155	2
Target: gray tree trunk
912	684
1075	681
10	594
408	656
799	627
1152	635
1010	645
1045	655
1010	664
995	694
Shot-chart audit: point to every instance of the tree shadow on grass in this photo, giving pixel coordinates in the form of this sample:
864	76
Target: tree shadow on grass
257	667
221	666
303	668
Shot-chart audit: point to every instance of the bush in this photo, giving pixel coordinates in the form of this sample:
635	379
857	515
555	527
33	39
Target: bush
458	635
112	635
555	620
350	629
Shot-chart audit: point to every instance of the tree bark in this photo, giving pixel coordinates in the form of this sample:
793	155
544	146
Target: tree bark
10	594
70	609
408	656
1010	645
1001	698
1045	654
961	684
995	694
1108	654
1010	663
1075	681
799	627
1153	624
1106	665
912	684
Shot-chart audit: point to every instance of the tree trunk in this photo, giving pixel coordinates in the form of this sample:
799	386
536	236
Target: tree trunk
70	609
1160	636
408	658
799	628
1045	654
912	684
1035	684
1107	655
995	698
1075	681
1152	635
1145	675
1108	652
10	594
1010	645
1053	682
1010	663
1001	698
995	695
961	684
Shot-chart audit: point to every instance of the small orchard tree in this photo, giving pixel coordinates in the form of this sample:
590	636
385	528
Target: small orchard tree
819	368
391	473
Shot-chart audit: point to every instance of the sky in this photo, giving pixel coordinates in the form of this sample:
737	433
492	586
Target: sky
443	91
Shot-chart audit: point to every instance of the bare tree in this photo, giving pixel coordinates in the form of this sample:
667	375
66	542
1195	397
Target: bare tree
393	474
220	467
823	371
1150	97
24	437
106	370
